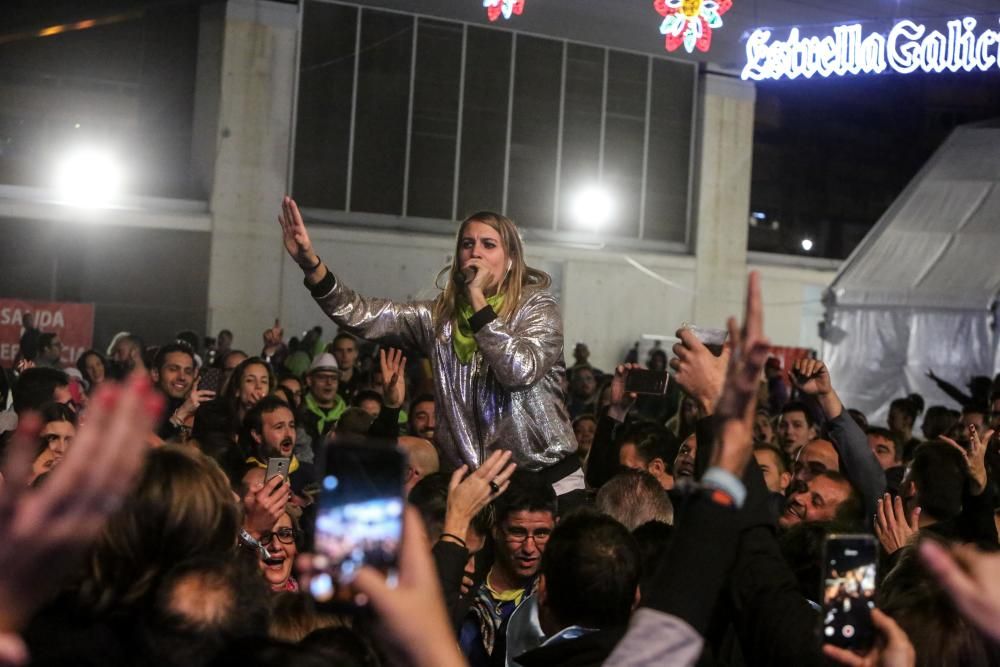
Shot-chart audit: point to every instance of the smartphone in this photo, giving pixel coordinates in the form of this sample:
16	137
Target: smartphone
276	465
713	339
642	381
210	379
849	570
359	518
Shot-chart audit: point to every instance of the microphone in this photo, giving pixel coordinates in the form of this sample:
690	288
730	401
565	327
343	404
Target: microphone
464	276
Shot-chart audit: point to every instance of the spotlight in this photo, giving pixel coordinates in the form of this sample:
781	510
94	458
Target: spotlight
88	177
807	244
592	207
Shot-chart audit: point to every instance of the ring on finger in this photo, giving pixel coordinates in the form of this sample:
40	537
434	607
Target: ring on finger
494	487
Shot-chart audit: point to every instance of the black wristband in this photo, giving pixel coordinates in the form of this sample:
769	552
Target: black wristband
312	268
455	537
481	318
323	287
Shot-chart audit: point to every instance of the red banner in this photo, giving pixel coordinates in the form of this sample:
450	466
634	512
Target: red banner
74	322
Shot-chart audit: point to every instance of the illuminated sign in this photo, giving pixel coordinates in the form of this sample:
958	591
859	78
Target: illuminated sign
690	22
907	48
505	8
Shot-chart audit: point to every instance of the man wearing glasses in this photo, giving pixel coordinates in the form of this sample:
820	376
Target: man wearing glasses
525	517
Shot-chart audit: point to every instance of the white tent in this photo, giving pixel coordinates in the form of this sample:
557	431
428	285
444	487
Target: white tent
920	292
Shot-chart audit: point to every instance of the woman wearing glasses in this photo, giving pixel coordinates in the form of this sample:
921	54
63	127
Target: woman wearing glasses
282	550
494	337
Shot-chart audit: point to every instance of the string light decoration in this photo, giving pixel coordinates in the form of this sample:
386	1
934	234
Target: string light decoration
690	22
505	8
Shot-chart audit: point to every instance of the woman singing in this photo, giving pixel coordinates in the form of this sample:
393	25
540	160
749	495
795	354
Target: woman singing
494	336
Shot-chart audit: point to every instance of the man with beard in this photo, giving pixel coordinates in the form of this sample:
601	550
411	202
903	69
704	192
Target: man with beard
269	431
174	375
826	496
526	516
422	417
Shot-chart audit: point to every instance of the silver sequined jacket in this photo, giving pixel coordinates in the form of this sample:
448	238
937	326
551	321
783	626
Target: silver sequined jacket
508	397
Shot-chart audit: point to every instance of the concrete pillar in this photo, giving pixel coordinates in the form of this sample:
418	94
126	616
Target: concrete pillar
722	197
243	132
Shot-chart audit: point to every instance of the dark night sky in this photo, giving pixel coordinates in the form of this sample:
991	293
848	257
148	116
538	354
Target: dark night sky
830	155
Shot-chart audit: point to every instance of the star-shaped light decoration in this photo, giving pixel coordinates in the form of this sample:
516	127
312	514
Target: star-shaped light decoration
690	22
505	8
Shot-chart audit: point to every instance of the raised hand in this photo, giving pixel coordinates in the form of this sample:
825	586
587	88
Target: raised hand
264	504
621	402
393	366
893	529
737	404
895	650
466	497
295	236
47	529
975	457
699	372
972	579
192	402
811	377
273	337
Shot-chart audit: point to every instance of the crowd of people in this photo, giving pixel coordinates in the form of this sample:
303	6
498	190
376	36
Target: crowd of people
553	517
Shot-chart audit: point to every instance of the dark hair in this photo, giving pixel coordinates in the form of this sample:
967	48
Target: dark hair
939	472
430	497
57	412
342	336
189	337
658	443
285	374
421	398
45	340
343	647
354	420
528	492
36	386
591	567
939	633
285	394
851	512
911	406
366	395
254	421
799	406
784	462
81	364
177	346
938	421
653	539
231	396
891	436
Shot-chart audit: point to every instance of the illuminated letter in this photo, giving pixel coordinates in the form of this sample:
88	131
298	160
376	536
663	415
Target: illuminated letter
757	52
934	46
902	58
873	53
984	60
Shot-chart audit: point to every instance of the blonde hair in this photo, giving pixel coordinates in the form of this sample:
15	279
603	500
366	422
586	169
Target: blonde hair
512	287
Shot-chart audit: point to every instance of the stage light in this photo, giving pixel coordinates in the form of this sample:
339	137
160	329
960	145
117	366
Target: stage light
592	207
88	177
807	244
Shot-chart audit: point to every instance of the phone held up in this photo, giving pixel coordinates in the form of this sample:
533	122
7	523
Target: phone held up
849	570
359	518
210	379
642	381
277	466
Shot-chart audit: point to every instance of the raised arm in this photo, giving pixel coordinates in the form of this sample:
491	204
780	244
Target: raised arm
370	318
857	462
